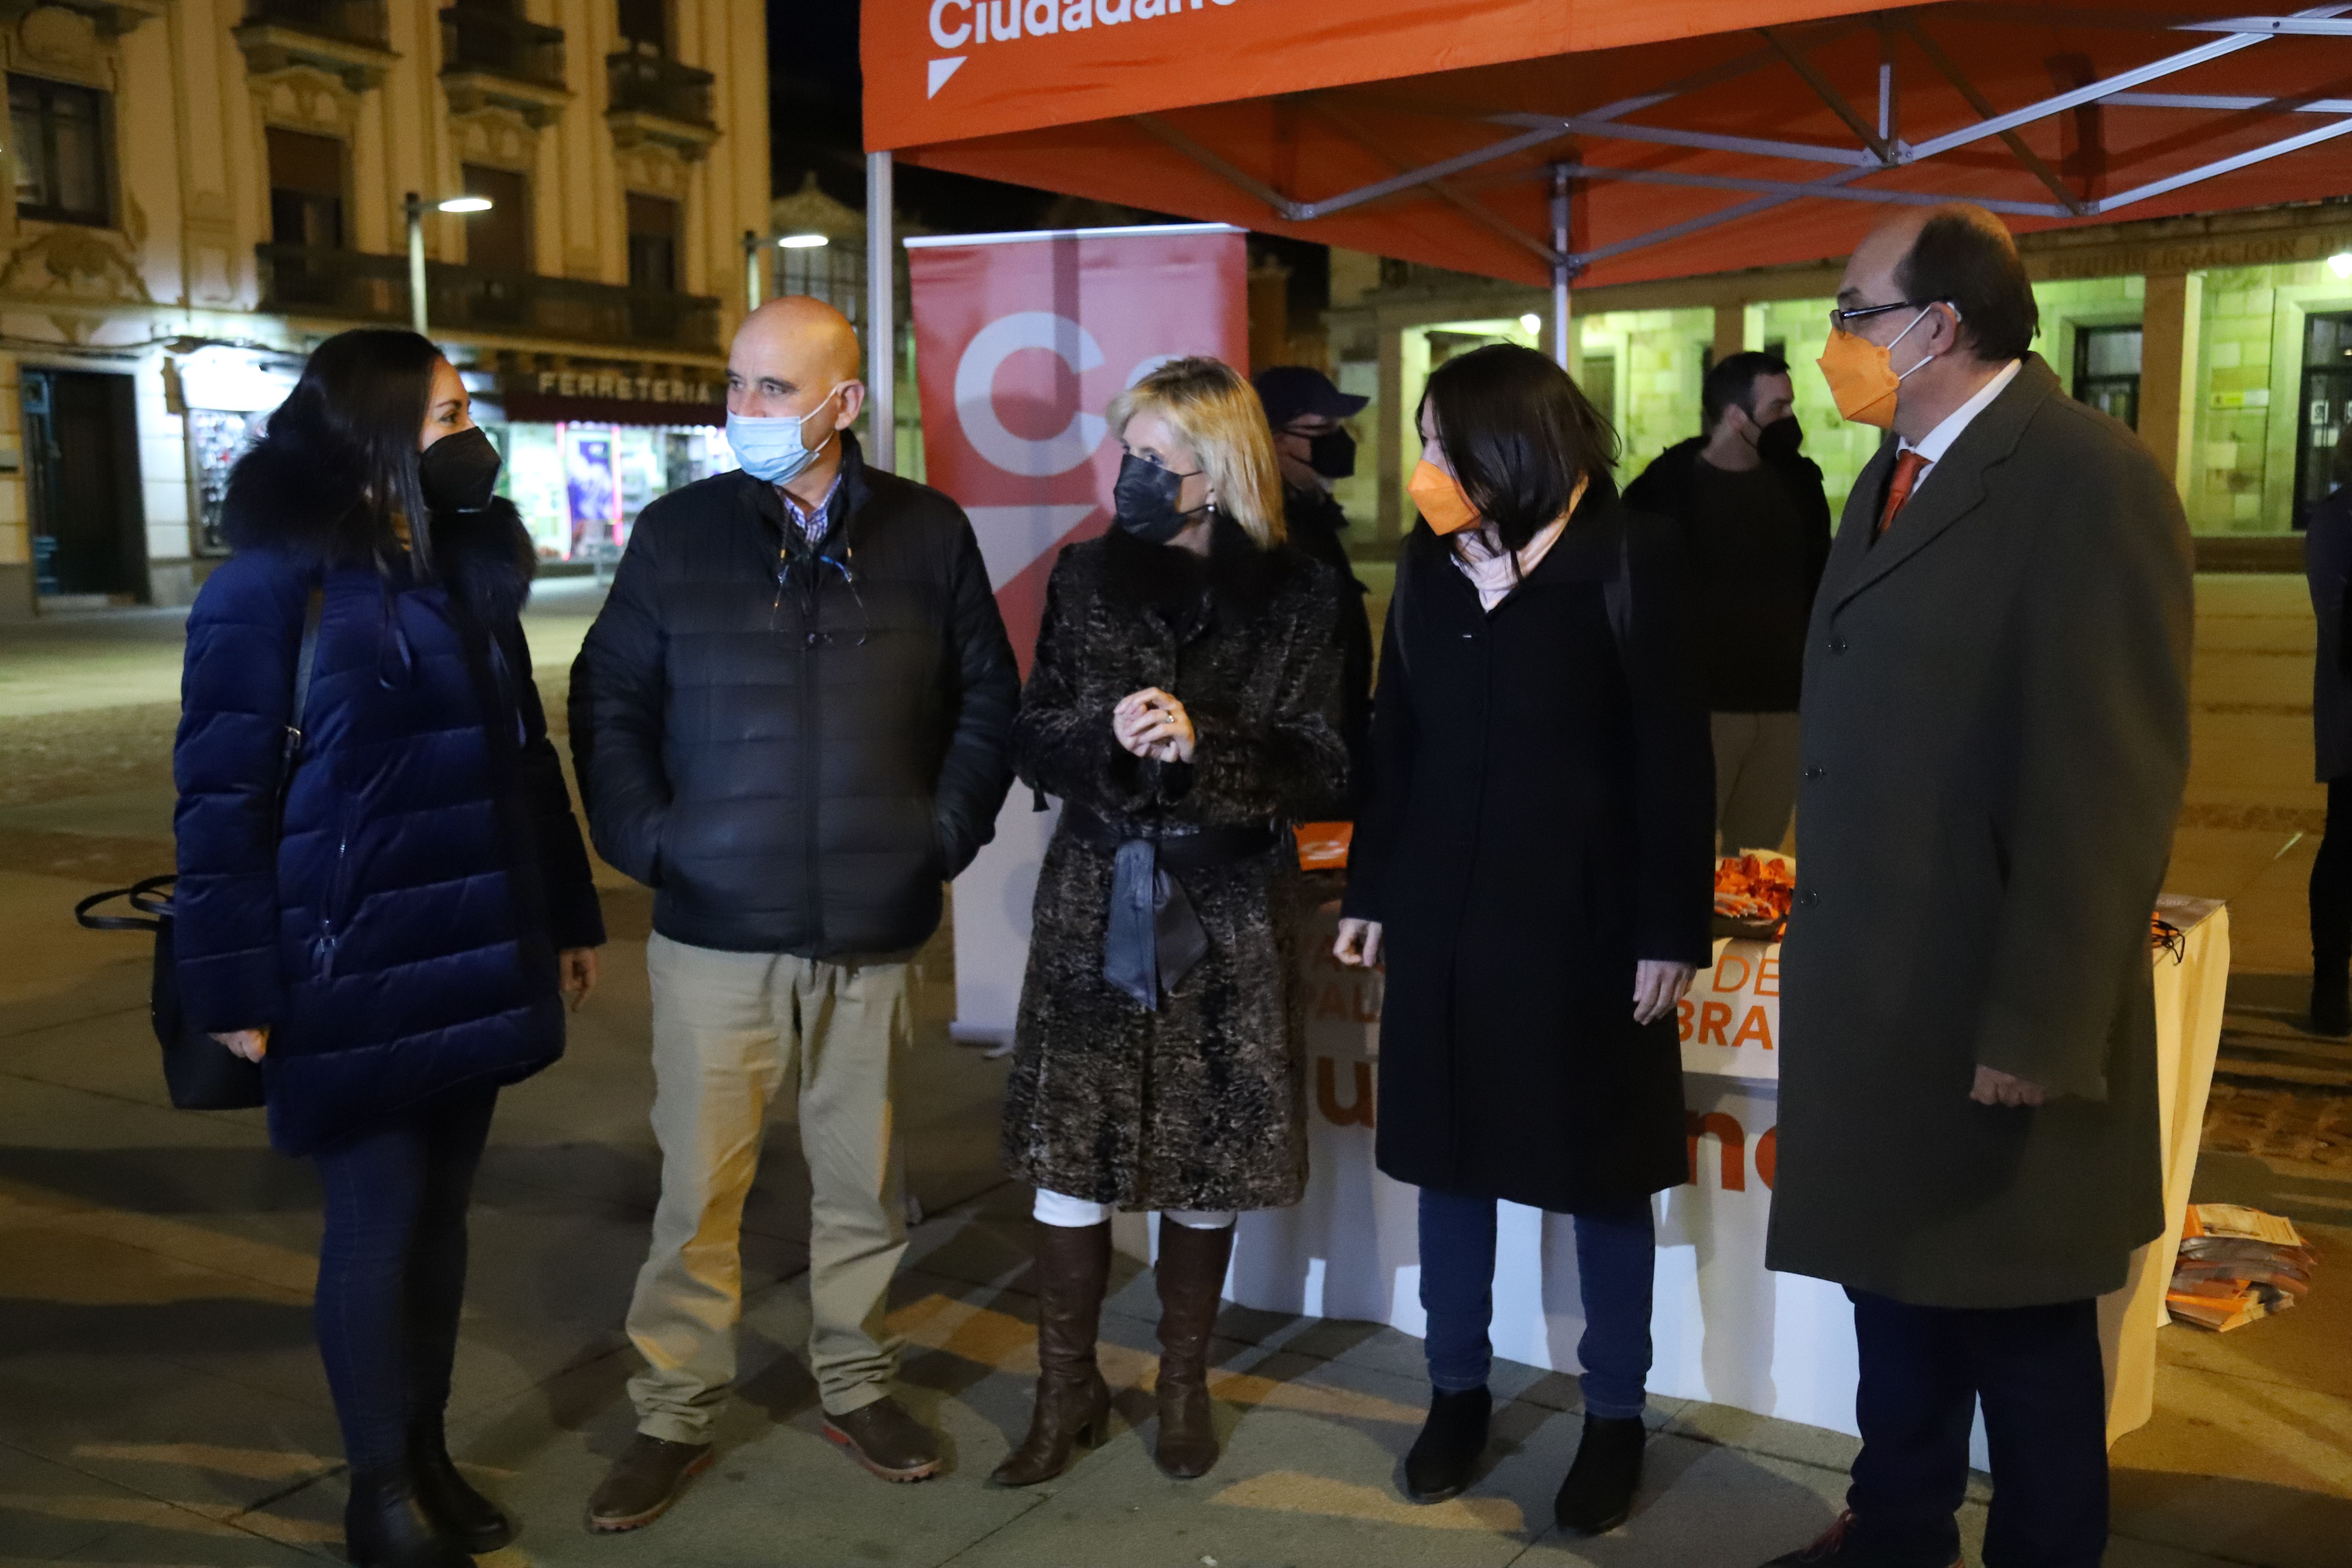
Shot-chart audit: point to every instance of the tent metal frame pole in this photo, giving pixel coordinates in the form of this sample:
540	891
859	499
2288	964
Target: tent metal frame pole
2219	166
881	315
1562	270
2025	156
1445	191
1884	147
2229	103
1710	140
2090	92
1828	188
1883	150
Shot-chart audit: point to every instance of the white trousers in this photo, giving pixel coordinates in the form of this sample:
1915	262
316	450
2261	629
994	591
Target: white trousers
1076	1214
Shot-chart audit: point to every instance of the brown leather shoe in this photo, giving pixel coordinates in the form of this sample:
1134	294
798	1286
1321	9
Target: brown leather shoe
1073	1401
643	1481
1192	1278
886	1440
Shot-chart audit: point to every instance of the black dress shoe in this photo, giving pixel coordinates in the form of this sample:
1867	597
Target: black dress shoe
384	1526
1838	1547
1598	1494
1443	1457
448	1499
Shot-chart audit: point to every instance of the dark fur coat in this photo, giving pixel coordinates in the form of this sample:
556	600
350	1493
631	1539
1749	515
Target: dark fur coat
1201	1104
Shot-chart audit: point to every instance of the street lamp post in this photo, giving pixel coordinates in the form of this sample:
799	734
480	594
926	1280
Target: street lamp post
415	207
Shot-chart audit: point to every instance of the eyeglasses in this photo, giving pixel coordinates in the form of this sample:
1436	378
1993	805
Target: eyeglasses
1842	321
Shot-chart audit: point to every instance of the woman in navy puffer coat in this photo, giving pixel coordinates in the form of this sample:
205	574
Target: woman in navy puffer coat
388	930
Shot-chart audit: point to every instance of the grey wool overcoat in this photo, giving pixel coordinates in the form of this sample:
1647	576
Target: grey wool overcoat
1200	1104
1996	738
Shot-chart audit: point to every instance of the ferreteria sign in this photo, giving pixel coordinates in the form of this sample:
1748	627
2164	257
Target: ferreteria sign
2203	253
621	383
611	396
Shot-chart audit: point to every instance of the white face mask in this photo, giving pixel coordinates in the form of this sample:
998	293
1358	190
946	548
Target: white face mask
772	448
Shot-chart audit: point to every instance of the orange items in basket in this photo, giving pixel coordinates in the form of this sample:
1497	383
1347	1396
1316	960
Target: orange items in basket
1756	888
1323	846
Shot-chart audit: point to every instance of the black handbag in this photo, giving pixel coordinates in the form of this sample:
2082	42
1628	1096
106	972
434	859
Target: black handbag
199	1072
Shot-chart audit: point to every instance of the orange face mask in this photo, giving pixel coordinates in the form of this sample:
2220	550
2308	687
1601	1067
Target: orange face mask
1439	496
1862	375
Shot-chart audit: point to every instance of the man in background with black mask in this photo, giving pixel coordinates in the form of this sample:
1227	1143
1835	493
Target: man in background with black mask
1305	410
1756	524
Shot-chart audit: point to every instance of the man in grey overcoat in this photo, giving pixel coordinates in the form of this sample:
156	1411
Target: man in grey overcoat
1995	741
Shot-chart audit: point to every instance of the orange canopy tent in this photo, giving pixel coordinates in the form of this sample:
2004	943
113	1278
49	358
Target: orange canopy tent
1608	140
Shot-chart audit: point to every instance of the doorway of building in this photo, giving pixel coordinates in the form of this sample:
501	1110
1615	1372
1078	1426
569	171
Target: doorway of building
2106	370
2327	395
81	450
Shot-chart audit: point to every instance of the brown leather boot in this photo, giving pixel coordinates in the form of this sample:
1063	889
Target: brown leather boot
1073	1400
1191	1275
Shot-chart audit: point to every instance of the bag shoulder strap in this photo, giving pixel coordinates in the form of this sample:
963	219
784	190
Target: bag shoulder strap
306	663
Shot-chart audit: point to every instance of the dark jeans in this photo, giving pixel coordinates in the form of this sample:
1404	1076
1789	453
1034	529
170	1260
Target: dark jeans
2037	1371
2331	886
392	1269
1616	1257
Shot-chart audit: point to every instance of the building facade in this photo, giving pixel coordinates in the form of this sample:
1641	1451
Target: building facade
205	189
2226	340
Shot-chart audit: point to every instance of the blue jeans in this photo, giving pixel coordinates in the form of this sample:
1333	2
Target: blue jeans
392	1269
1616	1257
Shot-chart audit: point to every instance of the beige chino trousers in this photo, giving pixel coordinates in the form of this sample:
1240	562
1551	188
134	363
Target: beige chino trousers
729	1028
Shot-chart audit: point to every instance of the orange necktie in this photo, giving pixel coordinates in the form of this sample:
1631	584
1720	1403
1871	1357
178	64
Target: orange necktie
1909	467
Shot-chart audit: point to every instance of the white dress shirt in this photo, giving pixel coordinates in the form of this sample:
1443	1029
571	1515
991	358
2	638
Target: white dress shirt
1939	440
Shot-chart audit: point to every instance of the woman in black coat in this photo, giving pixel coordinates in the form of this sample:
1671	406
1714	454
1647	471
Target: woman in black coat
382	891
1185	706
1536	861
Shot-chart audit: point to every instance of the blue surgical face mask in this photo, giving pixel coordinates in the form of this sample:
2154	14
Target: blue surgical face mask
771	449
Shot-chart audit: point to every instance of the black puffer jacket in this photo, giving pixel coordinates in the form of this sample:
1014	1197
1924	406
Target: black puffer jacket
796	747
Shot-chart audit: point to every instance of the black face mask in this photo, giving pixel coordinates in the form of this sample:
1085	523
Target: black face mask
1332	454
1144	499
460	472
1778	441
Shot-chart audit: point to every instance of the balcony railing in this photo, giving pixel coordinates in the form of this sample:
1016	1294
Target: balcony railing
344	283
646	83
499	43
352	21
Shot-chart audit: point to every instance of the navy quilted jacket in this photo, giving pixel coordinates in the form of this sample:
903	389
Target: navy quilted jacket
399	935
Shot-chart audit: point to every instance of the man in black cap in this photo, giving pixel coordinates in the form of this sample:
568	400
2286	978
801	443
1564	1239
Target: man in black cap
1306	411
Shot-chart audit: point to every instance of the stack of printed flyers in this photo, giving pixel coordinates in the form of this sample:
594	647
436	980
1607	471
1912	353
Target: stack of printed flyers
2237	1265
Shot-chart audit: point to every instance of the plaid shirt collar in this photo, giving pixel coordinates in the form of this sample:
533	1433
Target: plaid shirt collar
810	522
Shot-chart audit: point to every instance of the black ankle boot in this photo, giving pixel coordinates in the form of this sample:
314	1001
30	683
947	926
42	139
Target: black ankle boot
385	1527
2331	1002
448	1499
1598	1494
1443	1457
